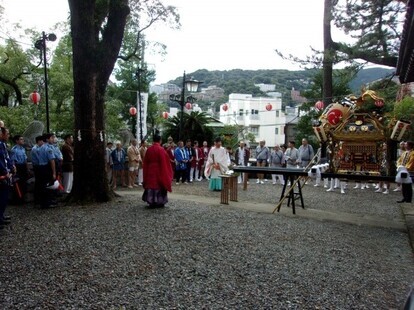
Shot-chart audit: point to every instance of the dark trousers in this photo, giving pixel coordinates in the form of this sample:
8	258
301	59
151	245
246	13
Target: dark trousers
4	197
187	175
180	174
407	192
43	177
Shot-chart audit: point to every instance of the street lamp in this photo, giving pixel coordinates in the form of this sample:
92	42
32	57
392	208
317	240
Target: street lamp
191	86
41	45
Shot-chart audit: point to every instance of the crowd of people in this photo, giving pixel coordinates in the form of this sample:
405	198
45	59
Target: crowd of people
51	170
158	166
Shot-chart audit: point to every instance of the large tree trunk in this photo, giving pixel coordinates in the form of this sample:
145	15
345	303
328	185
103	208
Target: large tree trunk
94	56
328	53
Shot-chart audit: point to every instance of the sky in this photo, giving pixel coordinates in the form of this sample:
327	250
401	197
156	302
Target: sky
215	34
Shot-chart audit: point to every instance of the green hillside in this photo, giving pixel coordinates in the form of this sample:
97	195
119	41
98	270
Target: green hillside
242	81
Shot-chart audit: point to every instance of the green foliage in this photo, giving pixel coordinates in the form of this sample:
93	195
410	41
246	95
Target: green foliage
154	114
18	118
14	66
404	110
242	81
194	127
230	135
114	120
341	89
387	90
375	28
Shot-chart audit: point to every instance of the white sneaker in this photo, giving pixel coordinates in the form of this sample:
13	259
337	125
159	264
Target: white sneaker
274	183
261	182
177	183
386	192
342	191
316	185
356	186
258	181
379	190
397	189
330	189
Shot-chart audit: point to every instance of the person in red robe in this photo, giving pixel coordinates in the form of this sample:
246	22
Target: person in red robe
157	174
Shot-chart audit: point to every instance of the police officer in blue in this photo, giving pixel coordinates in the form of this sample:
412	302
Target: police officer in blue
19	157
6	170
35	156
47	172
58	155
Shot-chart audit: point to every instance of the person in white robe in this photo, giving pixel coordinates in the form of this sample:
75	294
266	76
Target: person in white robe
216	165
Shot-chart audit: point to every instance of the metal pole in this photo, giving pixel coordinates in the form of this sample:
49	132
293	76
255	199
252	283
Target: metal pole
46	86
182	107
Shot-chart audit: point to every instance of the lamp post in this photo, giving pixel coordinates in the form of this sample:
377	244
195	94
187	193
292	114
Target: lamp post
41	45
191	86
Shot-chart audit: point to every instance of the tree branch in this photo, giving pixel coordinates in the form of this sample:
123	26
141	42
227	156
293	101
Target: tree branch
353	54
15	87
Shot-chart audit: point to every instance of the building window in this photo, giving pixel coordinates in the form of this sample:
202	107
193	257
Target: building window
276	131
277	113
254	114
241	112
254	130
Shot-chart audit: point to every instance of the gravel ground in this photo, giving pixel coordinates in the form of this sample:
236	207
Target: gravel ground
354	201
192	255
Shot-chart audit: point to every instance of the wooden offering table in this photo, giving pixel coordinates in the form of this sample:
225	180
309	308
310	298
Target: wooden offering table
229	188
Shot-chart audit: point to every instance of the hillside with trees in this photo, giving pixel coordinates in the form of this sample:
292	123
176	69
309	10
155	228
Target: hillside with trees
243	81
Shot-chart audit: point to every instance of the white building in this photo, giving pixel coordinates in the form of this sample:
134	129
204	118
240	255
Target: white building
261	116
266	87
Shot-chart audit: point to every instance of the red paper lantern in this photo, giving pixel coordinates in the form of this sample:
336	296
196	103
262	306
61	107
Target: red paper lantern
334	116
225	107
35	97
319	105
379	103
133	111
269	107
188	106
164	115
